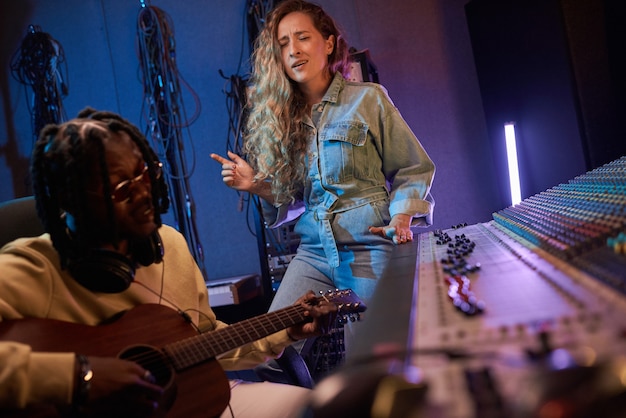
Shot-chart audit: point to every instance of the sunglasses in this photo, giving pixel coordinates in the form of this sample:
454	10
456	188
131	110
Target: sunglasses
123	190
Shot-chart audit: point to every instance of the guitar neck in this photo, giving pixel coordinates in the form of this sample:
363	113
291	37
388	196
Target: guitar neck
175	344
197	349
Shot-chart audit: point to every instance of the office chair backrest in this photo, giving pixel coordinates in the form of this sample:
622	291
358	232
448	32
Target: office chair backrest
18	218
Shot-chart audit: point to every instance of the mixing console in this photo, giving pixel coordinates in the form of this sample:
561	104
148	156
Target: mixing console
525	315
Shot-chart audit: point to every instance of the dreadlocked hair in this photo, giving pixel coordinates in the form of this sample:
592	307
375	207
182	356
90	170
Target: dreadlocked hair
275	141
60	167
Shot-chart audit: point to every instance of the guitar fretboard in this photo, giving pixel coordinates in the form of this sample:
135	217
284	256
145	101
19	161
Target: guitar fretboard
194	350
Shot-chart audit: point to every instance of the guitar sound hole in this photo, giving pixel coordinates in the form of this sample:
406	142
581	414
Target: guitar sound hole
152	359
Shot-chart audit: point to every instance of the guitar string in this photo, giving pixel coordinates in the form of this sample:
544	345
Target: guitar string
184	354
155	357
223	339
283	315
152	356
184	348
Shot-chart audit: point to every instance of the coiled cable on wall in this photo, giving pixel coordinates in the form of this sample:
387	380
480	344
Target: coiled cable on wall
235	91
40	63
257	11
165	116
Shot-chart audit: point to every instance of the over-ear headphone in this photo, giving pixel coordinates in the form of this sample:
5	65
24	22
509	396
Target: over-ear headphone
111	272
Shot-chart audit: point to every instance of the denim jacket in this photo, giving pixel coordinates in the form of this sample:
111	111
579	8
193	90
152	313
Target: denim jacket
361	151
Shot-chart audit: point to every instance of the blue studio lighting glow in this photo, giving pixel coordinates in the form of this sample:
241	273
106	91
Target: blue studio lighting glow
511	154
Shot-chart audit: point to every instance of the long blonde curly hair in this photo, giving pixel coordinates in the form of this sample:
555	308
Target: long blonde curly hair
274	139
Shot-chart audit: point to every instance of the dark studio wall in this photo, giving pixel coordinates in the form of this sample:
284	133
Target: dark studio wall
422	51
555	67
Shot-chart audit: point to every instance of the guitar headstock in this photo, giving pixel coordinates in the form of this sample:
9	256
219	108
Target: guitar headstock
349	306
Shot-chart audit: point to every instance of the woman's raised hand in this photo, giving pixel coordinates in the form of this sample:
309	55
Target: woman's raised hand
236	172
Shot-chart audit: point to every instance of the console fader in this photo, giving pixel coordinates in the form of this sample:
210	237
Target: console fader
525	315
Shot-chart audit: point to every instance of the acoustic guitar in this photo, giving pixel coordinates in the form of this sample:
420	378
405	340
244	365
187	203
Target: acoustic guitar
162	341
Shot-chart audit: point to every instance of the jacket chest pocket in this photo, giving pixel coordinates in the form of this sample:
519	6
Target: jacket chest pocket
343	154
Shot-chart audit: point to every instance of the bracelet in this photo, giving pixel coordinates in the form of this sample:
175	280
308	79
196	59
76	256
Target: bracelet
84	374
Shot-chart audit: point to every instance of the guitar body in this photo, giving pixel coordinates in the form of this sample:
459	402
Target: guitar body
139	334
163	342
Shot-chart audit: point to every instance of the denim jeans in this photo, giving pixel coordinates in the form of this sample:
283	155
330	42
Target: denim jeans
360	256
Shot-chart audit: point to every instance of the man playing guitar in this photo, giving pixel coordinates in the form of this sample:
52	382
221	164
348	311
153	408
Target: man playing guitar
129	330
